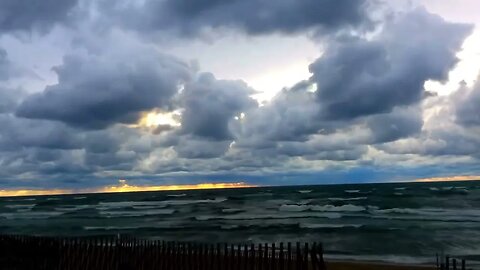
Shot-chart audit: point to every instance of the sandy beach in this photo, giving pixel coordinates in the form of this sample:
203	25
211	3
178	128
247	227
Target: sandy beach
351	265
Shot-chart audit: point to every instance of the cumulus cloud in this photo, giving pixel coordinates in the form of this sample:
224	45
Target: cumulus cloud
358	77
26	15
210	104
96	91
364	103
468	105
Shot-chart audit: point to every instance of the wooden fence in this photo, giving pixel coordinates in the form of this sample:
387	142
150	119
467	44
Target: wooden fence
28	252
445	262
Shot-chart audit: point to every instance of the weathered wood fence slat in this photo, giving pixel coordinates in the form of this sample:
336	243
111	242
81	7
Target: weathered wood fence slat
128	253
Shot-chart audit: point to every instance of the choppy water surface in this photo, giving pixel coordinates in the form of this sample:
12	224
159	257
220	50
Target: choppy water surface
406	222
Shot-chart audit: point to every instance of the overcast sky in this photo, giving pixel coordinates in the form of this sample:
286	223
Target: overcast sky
267	92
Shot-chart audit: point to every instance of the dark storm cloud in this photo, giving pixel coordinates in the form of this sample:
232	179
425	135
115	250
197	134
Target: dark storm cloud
9	99
17	133
26	15
192	147
400	123
5	65
210	104
94	92
251	16
375	84
358	77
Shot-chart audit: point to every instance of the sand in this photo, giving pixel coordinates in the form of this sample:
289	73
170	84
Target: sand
342	265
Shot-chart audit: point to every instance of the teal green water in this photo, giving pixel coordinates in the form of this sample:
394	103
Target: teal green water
401	222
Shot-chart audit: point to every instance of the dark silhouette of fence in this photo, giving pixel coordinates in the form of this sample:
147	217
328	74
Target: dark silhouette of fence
122	253
448	263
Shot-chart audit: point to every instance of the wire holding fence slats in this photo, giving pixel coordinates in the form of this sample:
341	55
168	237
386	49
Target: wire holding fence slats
128	253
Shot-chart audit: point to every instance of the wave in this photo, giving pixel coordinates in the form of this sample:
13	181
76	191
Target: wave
79	197
294	208
31	215
155	204
22	200
177	195
246	216
232	210
321	208
352	191
347	199
430	211
304	191
384	258
328	226
343	208
137	213
20	206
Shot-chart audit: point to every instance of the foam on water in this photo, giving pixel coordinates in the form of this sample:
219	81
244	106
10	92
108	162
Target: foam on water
388	222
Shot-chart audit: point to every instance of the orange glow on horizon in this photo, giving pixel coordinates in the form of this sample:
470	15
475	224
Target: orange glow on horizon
450	178
122	186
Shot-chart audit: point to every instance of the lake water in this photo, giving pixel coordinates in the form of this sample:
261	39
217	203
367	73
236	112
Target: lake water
401	222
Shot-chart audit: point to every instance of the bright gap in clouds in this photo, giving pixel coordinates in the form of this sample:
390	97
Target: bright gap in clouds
467	69
266	63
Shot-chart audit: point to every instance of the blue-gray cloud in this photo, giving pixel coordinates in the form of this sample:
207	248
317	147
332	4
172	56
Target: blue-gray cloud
254	17
468	107
94	92
358	77
210	104
27	15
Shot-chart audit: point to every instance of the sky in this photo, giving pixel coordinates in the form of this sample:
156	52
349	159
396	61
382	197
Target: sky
259	92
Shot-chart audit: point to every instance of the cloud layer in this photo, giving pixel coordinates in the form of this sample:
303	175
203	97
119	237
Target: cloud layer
120	107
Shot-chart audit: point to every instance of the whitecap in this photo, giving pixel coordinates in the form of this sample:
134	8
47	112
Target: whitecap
328	226
305	191
289	215
293	208
347	199
138	213
352	191
177	195
20	206
332	208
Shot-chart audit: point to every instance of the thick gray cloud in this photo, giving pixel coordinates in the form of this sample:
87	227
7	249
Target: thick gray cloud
251	16
210	104
4	65
362	100
94	91
17	133
400	123
468	106
358	77
26	15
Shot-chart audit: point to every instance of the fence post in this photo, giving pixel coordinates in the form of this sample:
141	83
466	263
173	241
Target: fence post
281	257
265	261
463	264
259	261
289	259
298	259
